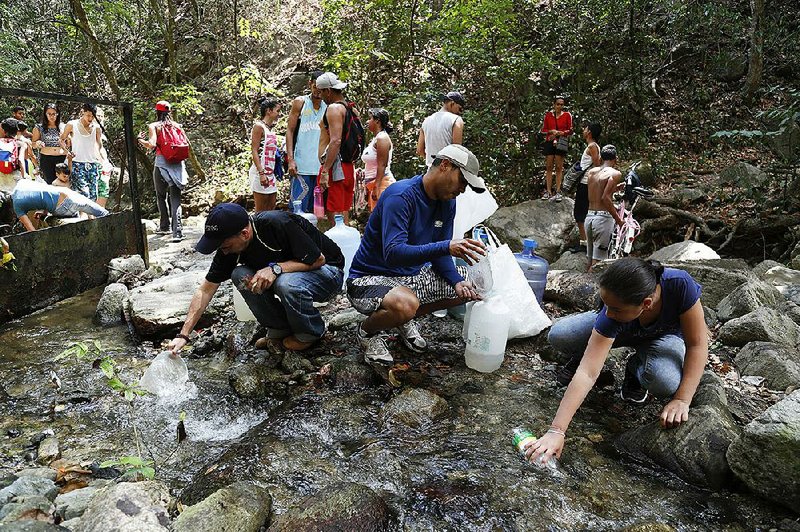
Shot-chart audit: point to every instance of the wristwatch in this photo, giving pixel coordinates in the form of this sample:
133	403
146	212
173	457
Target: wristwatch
276	268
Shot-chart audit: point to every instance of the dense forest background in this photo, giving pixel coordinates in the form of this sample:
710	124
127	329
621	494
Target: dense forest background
692	86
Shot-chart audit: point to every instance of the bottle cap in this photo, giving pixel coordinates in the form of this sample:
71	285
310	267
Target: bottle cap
530	243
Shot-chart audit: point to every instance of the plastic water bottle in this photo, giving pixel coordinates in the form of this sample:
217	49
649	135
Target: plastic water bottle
534	267
486	325
347	238
520	437
298	210
319	203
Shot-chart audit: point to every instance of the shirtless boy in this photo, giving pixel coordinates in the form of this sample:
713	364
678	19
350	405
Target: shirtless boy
600	222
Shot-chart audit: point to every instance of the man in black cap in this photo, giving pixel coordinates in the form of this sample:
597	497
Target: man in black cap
442	128
272	253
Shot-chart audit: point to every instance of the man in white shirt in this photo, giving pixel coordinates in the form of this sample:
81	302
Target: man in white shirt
442	128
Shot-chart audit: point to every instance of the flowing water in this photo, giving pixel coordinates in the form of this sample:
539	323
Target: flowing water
458	473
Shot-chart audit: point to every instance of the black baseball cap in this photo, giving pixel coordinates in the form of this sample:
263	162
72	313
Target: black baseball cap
454	96
224	221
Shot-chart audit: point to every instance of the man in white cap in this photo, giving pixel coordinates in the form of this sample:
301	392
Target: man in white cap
442	128
403	268
339	147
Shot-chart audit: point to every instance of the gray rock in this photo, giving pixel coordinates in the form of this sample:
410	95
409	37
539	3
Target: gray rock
33	507
48	450
347	373
415	408
578	262
717	277
72	524
293	361
782	277
240	507
129	506
25	486
767	455
574	290
109	308
41	472
710	316
547	222
686	250
256	380
790	310
28	525
764	324
779	365
746	298
125	266
74	503
342	506
695	451
761	268
743	174
792	293
345	318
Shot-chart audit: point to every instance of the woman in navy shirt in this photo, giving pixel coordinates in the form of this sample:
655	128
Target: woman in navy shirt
655	310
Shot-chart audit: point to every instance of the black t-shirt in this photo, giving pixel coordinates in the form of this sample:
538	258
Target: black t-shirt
279	237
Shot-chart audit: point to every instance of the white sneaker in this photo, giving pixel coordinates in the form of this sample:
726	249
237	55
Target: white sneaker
411	337
376	352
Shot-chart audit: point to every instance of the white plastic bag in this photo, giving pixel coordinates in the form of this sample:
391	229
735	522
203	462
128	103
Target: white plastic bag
165	376
472	209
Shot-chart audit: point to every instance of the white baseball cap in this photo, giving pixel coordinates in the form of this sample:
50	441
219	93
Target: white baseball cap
329	81
466	161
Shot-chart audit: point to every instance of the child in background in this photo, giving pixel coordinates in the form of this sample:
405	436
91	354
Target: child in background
62	176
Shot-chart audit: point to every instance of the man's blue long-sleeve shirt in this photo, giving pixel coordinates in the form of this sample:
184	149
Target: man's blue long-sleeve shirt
407	230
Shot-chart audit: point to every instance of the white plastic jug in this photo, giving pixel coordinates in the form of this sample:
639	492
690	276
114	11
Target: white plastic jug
486	324
347	238
298	210
243	312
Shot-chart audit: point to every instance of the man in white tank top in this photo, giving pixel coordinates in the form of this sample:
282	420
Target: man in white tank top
442	128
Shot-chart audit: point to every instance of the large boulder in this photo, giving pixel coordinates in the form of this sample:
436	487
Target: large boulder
240	507
779	365
686	250
342	506
415	408
782	277
134	506
29	486
574	290
764	324
717	277
766	456
547	222
578	262
125	267
746	298
695	451
743	174
111	304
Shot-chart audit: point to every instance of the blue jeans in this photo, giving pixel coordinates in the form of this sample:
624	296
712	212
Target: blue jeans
294	312
657	363
75	203
302	190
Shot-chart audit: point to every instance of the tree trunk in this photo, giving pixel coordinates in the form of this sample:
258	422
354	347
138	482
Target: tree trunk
169	39
756	66
83	24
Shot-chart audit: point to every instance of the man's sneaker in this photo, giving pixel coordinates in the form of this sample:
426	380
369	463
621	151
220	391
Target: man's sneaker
558	197
546	196
375	349
631	388
411	337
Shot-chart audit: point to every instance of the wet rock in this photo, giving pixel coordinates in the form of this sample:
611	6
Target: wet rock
29	486
746	298
349	373
574	290
345	318
577	262
415	408
240	507
41	472
160	307
123	267
256	380
109	308
547	222
294	361
744	174
686	250
48	450
648	527
766	457
127	506
695	451
764	324
33	507
74	503
342	506
779	365
717	277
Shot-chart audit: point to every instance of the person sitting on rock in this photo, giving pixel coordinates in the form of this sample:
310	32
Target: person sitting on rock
62	202
279	262
403	268
653	309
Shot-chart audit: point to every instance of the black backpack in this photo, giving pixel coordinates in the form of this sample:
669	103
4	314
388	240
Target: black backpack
352	136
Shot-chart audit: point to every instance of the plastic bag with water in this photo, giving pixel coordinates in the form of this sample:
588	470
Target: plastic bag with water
166	375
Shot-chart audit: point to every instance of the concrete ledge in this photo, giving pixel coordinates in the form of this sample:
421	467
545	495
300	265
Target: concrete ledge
60	262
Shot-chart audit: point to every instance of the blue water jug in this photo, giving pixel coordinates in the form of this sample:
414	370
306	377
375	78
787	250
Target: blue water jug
534	267
347	238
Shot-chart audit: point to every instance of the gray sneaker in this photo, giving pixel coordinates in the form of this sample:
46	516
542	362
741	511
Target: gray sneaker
411	337
558	197
376	352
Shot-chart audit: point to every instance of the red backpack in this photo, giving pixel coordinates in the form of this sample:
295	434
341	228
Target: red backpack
172	143
9	155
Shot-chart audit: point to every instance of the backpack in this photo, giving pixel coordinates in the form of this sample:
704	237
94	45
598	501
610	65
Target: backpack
352	136
9	155
173	143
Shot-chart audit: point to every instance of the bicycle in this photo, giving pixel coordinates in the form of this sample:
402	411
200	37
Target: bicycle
624	235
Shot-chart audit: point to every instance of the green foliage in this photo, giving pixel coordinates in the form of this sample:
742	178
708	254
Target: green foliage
134	467
80	350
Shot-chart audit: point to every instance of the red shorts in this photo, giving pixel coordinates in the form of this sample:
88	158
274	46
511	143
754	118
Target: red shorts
340	193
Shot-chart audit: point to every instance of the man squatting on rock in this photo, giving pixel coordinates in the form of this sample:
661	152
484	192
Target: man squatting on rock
272	253
412	225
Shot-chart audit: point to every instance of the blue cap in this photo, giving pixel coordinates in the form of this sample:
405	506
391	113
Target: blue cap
224	221
530	243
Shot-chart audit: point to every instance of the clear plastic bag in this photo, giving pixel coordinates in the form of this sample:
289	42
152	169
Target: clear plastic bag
480	274
165	375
